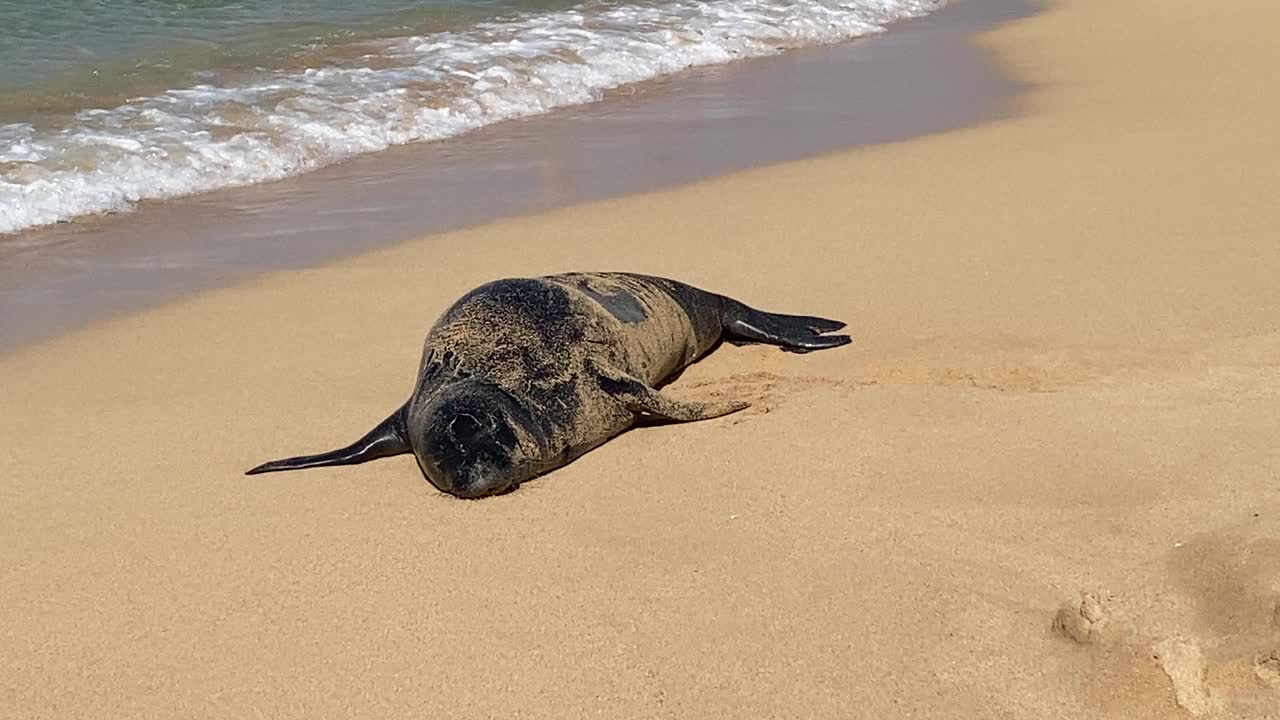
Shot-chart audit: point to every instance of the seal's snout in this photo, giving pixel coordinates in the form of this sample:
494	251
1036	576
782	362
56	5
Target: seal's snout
482	482
468	448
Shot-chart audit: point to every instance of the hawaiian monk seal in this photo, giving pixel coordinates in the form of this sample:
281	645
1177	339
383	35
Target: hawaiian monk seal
521	376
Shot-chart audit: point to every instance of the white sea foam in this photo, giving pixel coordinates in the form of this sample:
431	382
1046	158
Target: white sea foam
406	89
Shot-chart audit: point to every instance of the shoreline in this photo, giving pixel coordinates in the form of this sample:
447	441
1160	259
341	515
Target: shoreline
699	124
1040	483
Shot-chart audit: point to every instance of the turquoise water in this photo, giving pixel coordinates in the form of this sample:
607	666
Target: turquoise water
78	48
104	104
39	40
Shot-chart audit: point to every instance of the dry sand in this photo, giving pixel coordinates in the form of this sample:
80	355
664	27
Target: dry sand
1045	482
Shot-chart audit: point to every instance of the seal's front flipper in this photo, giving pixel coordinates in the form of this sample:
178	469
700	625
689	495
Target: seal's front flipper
654	404
793	333
641	399
388	438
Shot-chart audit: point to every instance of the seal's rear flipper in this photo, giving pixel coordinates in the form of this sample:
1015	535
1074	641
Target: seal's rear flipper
641	399
793	333
388	438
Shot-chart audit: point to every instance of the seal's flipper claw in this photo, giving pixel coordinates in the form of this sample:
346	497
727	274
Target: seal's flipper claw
816	324
641	399
656	405
794	333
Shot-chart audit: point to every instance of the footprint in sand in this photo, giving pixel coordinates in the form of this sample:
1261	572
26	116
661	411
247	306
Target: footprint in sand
1235	675
1209	673
1267	668
1183	661
1081	620
1267	665
764	390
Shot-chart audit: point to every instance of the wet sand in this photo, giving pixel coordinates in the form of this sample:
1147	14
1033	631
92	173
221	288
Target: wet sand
1042	483
693	126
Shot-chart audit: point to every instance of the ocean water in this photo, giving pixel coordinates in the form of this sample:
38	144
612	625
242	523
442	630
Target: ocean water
106	103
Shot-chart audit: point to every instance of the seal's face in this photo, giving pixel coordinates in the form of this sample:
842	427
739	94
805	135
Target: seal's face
468	443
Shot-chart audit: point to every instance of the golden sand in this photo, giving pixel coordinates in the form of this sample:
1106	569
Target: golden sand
1044	482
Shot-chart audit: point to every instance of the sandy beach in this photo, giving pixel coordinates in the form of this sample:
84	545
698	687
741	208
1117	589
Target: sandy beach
1042	482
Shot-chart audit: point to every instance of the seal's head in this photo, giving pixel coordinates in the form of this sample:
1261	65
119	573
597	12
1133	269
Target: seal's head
471	439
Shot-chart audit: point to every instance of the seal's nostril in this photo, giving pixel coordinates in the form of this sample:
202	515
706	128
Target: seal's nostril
479	481
465	427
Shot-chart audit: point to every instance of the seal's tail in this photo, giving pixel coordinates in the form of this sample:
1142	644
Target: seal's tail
794	333
388	438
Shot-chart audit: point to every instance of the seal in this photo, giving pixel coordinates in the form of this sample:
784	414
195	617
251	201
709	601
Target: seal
523	375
